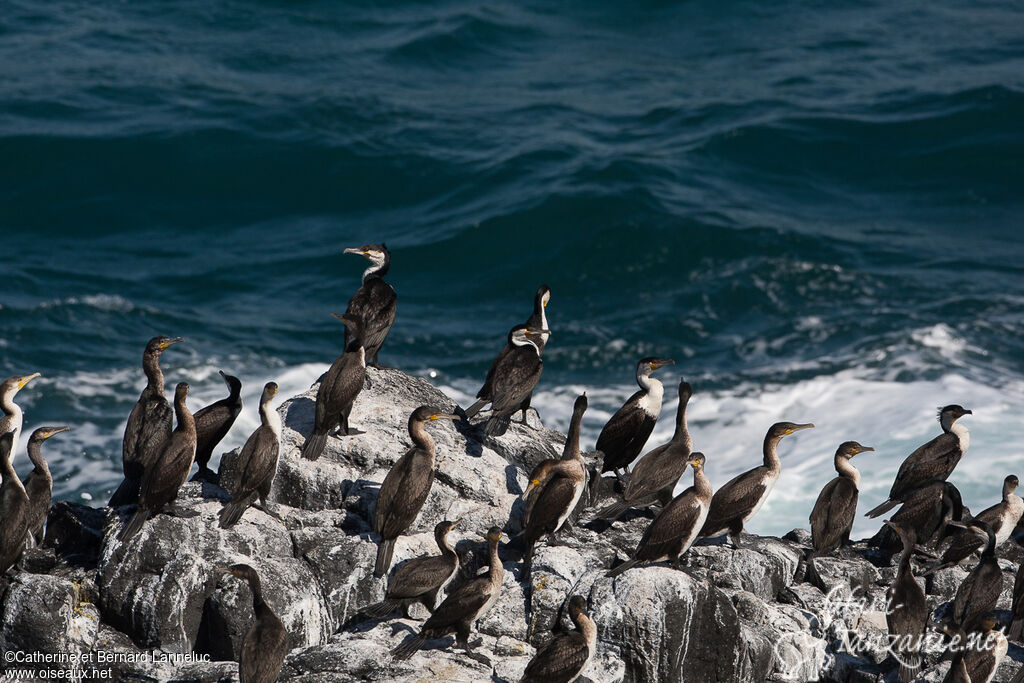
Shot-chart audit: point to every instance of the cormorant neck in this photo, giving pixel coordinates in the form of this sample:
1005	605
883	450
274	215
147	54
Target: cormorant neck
8	405
946	421
648	382
496	571
588	629
771	453
378	270
904	565
420	436
701	484
441	538
257	591
151	366
990	545
682	433
1006	491
10	475
183	415
571	451
35	454
846	469
525	342
270	417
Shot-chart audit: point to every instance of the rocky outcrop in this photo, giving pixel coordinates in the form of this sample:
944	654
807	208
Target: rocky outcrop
159	607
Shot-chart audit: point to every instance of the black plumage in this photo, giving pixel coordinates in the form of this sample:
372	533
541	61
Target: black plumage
990	646
256	463
406	486
162	479
907	610
559	485
338	389
375	302
1016	629
462	607
676	527
934	460
655	475
626	432
515	377
13	507
979	592
266	642
39	483
567	654
927	509
422	579
741	497
149	424
834	511
213	423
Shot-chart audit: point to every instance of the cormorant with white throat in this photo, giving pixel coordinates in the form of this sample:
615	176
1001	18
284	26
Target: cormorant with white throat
375	302
834	510
515	377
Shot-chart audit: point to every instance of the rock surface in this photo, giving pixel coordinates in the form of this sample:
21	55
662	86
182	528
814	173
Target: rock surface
158	607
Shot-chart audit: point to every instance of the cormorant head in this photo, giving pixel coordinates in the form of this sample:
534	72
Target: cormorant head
234	384
697	461
539	475
494	534
990	621
577	606
648	365
848	449
1011	482
543	296
579	406
269	391
44	433
521	335
908	534
158	345
243	572
442	529
430	414
781	429
12	385
951	413
377	254
181	391
685	391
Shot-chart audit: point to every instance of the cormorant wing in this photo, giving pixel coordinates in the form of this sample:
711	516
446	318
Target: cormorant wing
419	576
374	302
487	389
833	513
149	427
559	660
625	433
670	527
735	499
655	471
465	602
934	460
515	378
552	503
260	457
403	492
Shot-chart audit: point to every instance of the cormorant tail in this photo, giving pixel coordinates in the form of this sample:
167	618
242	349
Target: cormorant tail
384	552
134	525
314	446
475	408
628	564
1016	628
910	666
409	647
497	425
379	609
882	509
126	494
234	509
613	511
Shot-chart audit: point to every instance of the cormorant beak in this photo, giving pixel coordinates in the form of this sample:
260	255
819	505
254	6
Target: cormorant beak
797	428
356	251
56	431
968	412
456	523
443	416
657	365
272	391
171	342
864	449
533	484
27	378
223	375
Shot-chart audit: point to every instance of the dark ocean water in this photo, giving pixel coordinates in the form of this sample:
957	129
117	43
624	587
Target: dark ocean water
817	211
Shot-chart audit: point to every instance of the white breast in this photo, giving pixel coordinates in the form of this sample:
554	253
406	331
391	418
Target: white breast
962	435
274	422
702	514
650	402
572	506
769	484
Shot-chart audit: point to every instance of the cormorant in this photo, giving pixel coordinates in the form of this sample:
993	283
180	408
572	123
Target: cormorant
338	389
833	513
927	509
626	433
934	460
655	475
675	528
907	611
1017	606
256	463
39	483
538	321
421	580
561	483
984	658
213	423
375	302
149	424
741	497
567	655
266	642
11	420
13	507
515	377
406	486
462	607
1002	517
980	591
165	476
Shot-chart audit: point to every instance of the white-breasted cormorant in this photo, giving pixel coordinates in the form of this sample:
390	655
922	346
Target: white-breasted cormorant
13	507
422	579
907	611
338	389
934	460
559	483
655	475
515	377
742	496
836	507
256	463
149	424
39	483
979	592
168	472
406	486
375	302
625	434
13	417
1001	517
676	527
213	423
565	657
266	642
462	607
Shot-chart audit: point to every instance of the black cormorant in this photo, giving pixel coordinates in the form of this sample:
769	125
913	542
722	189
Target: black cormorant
39	483
266	642
149	424
836	506
515	378
165	476
675	528
406	486
421	580
564	658
13	507
256	463
907	610
741	497
934	460
462	607
213	423
13	417
655	475
375	302
338	389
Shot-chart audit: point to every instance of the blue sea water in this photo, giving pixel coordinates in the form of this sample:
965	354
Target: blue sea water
815	209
